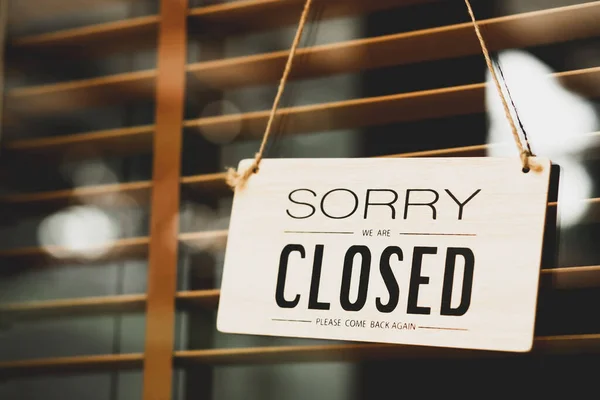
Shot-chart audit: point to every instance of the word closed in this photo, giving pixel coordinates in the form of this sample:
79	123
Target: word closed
387	275
433	252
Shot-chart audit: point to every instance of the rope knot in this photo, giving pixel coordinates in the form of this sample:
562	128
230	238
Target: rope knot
238	179
528	164
525	152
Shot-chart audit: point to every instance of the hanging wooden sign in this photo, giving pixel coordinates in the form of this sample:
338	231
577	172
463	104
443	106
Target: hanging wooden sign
437	252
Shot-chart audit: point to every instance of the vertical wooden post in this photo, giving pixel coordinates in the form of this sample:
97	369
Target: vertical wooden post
164	222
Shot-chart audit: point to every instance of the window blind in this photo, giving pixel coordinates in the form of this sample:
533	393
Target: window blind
172	91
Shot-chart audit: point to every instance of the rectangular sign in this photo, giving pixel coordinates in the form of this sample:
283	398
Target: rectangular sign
437	252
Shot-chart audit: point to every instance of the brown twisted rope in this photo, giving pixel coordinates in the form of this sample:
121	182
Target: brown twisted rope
236	178
525	153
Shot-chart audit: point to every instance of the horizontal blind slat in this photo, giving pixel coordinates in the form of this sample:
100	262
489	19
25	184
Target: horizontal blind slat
100	39
25	12
403	107
226	18
515	31
567	344
214	184
541	27
360	352
76	95
356	113
111	142
78	364
101	305
121	249
251	15
564	278
73	307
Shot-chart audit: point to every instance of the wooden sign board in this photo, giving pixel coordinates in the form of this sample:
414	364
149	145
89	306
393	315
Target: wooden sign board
436	252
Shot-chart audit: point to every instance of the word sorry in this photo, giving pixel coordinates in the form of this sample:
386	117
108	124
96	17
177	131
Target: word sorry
347	200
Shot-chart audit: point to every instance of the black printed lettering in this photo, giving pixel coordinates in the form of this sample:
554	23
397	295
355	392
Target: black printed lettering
355	197
313	299
301	203
467	286
283	263
363	285
416	280
461	205
388	278
430	204
390	204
